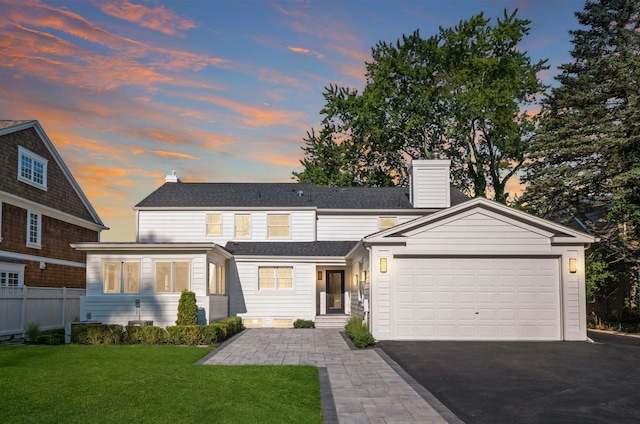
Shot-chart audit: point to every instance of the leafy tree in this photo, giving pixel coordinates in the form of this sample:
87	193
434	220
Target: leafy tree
459	93
586	153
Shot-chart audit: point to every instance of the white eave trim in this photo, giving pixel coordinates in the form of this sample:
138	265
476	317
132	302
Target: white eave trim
23	203
44	259
387	212
138	247
328	260
223	208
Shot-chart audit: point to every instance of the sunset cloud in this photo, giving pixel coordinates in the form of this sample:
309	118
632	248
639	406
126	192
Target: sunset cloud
176	155
306	51
157	18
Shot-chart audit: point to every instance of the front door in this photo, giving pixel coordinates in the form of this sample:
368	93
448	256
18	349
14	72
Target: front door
335	292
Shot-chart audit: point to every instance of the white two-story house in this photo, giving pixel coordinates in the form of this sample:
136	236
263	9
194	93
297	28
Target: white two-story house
418	262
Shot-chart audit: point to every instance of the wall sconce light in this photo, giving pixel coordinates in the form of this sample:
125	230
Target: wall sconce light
383	265
43	265
319	275
363	276
355	280
573	265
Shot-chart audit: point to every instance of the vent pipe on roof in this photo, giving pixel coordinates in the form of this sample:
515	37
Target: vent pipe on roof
172	178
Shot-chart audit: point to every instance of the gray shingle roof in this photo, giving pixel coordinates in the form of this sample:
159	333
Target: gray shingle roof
291	249
7	123
216	195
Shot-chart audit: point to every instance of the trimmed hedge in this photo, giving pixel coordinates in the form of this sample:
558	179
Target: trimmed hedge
358	331
303	323
176	334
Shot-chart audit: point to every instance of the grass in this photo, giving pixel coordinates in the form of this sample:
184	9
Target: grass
149	384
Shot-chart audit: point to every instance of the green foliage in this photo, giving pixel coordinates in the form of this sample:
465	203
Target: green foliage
303	323
33	332
232	324
149	384
586	152
187	309
601	281
358	331
145	335
460	92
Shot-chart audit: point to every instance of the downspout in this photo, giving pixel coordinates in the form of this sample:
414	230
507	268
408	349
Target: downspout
367	313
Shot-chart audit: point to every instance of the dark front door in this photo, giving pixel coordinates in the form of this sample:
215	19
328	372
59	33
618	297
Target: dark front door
335	292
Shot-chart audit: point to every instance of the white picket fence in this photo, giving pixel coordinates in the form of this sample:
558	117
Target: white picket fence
51	307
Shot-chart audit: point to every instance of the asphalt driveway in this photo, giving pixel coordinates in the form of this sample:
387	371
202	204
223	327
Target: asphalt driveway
537	382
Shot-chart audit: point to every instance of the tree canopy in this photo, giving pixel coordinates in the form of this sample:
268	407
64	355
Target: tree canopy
460	94
586	153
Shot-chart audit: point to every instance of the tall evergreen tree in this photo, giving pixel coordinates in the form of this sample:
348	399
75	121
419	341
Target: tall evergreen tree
459	93
586	154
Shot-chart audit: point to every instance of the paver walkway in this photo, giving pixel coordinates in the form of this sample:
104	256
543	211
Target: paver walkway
365	388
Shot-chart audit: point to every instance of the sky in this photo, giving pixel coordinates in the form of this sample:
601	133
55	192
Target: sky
219	91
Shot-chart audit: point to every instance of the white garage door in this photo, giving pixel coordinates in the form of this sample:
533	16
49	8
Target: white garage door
477	299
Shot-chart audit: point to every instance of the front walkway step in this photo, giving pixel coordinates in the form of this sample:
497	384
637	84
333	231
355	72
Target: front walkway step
331	321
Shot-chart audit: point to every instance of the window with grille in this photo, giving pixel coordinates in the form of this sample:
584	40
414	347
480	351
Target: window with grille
32	169
242	226
275	278
278	226
214	224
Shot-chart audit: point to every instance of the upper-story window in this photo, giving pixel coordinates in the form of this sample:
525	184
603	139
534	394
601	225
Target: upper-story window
278	226
214	224
32	169
243	226
34	229
386	222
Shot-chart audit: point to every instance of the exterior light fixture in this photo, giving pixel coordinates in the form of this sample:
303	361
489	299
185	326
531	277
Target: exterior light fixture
383	265
355	280
573	265
319	275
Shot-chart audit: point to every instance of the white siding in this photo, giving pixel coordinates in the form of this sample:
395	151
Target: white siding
477	232
430	183
352	226
190	226
250	302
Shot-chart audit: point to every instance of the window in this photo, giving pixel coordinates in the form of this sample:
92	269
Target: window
32	169
9	279
386	222
278	226
275	278
214	224
217	279
121	277
34	228
243	226
172	277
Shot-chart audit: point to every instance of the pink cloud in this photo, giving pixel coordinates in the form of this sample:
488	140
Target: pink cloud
157	18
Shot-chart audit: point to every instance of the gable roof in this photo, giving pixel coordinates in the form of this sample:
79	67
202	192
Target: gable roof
560	233
11	126
285	195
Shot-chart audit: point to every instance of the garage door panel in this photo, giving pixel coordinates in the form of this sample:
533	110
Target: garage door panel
478	298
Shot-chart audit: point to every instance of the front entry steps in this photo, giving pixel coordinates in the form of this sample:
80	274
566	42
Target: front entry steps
331	321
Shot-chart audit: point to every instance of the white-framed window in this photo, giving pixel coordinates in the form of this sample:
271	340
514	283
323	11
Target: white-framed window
11	275
214	224
277	278
172	276
217	279
242	225
120	277
34	229
277	226
32	169
385	222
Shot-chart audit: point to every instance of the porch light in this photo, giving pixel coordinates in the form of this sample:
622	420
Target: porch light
363	276
319	275
573	265
383	265
355	280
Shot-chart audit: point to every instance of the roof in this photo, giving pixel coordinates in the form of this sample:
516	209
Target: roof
291	249
286	195
7	123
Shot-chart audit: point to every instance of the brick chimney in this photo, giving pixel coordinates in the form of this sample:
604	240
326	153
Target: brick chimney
429	184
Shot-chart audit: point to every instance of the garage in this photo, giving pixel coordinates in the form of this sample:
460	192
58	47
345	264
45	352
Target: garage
467	298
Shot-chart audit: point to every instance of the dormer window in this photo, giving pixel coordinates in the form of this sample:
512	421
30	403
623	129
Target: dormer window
32	169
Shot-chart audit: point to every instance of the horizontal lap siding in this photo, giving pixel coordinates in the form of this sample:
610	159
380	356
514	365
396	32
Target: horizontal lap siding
295	303
190	226
352	227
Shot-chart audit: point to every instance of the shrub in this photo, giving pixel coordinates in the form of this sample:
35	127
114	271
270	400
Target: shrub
358	331
215	333
186	334
303	323
33	332
52	337
145	335
98	334
187	309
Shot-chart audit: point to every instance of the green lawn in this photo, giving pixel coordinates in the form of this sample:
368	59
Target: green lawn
149	384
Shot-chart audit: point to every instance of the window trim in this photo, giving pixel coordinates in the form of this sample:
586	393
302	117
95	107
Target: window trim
173	275
235	226
207	224
38	243
121	285
22	152
275	279
270	226
9	268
